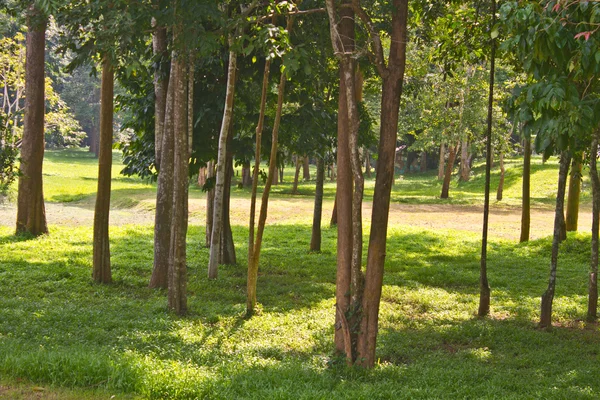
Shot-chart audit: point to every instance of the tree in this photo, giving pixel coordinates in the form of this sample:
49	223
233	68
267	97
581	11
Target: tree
31	213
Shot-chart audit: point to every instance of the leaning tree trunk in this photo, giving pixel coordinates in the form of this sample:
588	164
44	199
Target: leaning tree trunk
179	223
221	165
448	172
574	193
262	218
31	212
592	310
101	258
484	287
296	176
390	103
500	190
159	48
526	198
164	196
333	221
548	296
315	240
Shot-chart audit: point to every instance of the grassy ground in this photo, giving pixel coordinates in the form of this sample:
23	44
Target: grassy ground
59	330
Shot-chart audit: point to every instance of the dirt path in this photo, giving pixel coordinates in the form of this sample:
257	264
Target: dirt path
504	222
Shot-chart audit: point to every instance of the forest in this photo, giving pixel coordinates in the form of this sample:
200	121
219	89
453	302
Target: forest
299	199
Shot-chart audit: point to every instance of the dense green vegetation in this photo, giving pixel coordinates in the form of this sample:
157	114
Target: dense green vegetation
56	327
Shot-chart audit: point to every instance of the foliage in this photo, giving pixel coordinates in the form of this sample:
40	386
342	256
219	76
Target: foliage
8	153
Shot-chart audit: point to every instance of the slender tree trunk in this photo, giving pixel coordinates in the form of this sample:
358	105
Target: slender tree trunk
281	173
227	251
210	204
262	218
484	286
305	169
574	193
315	241
179	223
333	221
423	161
202	177
259	129
465	167
525	208
101	257
390	103
442	161
221	165
159	47
548	296
500	190
448	172
333	174
246	176
367	163
164	195
592	309
296	175
31	212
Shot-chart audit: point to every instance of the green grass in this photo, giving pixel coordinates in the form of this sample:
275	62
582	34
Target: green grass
58	328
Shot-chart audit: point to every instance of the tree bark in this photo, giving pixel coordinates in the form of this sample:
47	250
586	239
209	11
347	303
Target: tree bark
484	286
574	193
465	166
526	197
333	221
246	176
305	169
210	204
390	103
101	255
500	190
296	175
448	172
441	161
227	250
548	296
221	165
423	160
254	260
164	195
179	223
367	163
315	241
31	212
592	309
159	48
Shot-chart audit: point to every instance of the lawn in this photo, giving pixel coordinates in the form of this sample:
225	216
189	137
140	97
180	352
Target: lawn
60	332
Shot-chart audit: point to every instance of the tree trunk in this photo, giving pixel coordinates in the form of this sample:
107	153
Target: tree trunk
315	241
390	103
210	204
31	212
164	196
281	172
94	139
159	47
423	160
500	190
548	296
202	177
574	193
254	260
179	223
333	174
305	169
227	250
333	221
592	309
259	129
465	167
296	175
221	165
101	258
246	176
367	163
448	172
484	286
441	161
525	207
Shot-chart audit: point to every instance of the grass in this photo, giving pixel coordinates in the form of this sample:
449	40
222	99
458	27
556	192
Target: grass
61	332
